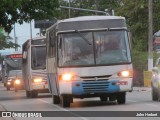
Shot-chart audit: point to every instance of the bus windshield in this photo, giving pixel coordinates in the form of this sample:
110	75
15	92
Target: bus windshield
106	48
38	57
14	63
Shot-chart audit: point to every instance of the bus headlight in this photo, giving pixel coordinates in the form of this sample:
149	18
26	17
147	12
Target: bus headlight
125	73
37	80
8	83
17	81
67	77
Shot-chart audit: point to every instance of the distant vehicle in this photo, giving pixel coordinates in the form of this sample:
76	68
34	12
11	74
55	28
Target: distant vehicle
15	80
156	44
89	57
34	66
10	62
155	81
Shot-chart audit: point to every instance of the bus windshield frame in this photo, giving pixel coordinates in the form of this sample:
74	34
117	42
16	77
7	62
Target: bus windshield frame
38	57
14	62
73	51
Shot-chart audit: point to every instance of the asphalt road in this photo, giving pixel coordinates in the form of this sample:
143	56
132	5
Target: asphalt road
138	100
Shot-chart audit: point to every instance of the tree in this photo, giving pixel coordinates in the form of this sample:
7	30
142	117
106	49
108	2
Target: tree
5	42
13	11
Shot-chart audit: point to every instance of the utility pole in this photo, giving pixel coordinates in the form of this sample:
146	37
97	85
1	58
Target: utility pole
69	8
150	35
15	38
30	29
96	4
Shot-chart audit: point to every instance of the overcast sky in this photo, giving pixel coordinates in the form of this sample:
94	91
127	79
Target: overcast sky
22	33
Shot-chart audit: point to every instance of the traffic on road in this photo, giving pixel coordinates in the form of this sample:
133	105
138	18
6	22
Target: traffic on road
82	64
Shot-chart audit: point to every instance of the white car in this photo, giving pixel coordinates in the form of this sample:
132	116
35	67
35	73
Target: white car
155	83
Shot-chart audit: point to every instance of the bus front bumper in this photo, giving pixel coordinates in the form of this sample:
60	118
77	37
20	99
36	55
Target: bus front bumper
95	87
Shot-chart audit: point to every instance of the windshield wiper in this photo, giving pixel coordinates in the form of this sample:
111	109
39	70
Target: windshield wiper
80	34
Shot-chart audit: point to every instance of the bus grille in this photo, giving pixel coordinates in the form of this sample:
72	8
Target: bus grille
95	86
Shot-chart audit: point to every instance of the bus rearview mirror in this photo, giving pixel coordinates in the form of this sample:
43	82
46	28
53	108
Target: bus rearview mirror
52	43
24	55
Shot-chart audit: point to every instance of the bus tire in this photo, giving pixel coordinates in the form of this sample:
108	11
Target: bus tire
33	94
28	94
103	98
65	101
56	99
154	94
121	98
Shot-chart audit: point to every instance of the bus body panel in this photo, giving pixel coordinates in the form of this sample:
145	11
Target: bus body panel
94	80
52	76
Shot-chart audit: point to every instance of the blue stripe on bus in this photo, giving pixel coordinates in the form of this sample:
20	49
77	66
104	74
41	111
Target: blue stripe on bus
101	86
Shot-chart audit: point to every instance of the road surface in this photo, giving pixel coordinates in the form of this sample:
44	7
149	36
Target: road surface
138	100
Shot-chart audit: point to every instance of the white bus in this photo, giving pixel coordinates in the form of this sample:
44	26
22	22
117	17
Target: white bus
11	62
34	66
89	57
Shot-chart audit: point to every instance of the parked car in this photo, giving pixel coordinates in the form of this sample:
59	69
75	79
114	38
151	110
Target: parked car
155	82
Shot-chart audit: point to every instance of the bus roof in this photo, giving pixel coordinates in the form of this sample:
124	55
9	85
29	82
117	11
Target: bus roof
39	37
89	23
90	18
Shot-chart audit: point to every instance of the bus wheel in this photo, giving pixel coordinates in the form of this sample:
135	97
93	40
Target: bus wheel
103	98
56	99
154	94
28	94
121	98
65	101
33	94
8	88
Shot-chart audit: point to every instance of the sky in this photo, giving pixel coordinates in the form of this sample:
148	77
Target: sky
23	34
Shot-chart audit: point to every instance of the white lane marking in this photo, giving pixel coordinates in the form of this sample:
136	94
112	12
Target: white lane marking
83	118
132	101
151	104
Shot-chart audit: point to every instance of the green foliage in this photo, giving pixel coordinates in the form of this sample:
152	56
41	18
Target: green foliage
139	65
12	11
5	42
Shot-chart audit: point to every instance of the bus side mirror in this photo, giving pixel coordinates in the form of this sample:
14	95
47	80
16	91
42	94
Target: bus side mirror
52	42
24	55
130	38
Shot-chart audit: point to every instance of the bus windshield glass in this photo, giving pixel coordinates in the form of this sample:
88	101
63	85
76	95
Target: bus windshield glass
106	48
38	57
14	63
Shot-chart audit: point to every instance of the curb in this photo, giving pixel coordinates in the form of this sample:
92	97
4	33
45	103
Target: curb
2	108
142	89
